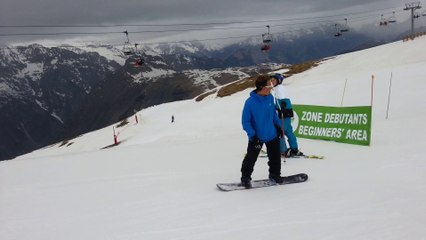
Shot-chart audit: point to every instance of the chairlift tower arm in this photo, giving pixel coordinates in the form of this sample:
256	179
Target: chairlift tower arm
412	6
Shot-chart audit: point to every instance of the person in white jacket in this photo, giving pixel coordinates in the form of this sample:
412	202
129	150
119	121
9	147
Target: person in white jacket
285	113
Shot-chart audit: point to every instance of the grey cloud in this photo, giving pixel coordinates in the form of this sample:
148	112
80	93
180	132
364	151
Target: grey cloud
98	11
95	12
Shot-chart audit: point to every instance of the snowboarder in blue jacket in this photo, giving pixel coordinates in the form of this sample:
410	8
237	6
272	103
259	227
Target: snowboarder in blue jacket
261	123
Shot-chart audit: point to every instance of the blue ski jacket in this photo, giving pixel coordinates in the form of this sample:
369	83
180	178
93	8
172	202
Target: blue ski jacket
260	117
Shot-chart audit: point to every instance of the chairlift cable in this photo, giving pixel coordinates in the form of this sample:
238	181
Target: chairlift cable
179	24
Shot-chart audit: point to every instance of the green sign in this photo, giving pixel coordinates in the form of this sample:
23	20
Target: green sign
341	124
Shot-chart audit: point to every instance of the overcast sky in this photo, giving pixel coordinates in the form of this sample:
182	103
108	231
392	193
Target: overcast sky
108	18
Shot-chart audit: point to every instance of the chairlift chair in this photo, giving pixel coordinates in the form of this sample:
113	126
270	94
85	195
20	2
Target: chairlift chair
265	47
266	40
337	27
127	47
267	37
139	60
392	19
383	21
345	27
416	15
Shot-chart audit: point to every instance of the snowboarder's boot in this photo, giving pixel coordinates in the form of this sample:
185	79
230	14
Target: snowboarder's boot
246	182
296	152
276	179
293	152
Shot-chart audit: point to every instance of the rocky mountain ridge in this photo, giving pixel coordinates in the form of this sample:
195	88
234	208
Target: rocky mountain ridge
47	94
40	88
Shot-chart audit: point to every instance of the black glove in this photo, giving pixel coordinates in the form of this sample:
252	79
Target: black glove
256	142
280	133
280	113
288	113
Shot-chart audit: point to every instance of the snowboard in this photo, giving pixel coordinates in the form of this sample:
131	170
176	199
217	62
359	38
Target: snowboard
260	183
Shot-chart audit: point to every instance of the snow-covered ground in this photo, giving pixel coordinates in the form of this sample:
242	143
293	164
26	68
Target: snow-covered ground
159	182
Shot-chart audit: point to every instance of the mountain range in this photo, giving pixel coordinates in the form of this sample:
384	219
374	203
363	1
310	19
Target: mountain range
52	93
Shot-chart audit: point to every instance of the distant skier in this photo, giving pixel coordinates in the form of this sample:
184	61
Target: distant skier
285	113
260	121
173	118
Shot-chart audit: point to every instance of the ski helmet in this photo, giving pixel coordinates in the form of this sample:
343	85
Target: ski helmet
279	77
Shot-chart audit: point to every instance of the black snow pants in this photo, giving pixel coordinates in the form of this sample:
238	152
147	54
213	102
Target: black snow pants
274	156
